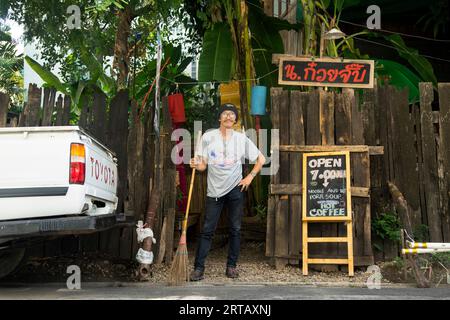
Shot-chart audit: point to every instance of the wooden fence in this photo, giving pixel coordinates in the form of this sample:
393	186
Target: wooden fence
415	141
118	127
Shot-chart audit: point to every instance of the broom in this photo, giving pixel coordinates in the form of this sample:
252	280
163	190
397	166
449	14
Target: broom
179	271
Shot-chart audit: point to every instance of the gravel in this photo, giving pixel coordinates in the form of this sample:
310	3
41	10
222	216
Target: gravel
253	267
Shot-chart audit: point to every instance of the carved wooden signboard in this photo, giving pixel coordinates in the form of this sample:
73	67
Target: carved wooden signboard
326	72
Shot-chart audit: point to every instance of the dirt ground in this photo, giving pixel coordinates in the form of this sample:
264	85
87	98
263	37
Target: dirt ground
253	267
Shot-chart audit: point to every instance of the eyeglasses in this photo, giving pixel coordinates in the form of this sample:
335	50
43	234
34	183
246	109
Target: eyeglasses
230	114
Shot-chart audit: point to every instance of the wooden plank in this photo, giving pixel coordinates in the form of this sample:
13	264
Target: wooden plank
117	140
361	178
351	253
444	157
126	243
4	105
66	111
99	120
275	94
276	57
418	142
270	229
359	172
327	239
282	228
33	106
162	243
48	106
343	119
305	248
313	138
47	109
343	116
406	167
84	115
373	150
368	107
170	199
297	137
59	113
285	115
52	100
326	109
385	123
296	189
282	212
328	261
429	168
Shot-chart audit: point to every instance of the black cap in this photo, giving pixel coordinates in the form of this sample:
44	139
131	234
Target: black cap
229	107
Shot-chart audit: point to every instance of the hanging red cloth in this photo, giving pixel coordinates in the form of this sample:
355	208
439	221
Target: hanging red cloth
176	108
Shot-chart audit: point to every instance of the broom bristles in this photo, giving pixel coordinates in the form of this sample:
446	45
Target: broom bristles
179	272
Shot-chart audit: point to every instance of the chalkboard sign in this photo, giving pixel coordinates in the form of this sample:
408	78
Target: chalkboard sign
326	186
326	72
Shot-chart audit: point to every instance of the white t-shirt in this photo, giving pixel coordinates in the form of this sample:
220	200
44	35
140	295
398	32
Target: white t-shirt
225	159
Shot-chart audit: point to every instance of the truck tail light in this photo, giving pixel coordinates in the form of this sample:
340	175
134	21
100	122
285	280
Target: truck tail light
77	163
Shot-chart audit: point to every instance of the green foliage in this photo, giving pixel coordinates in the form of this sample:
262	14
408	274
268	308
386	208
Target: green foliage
11	68
387	226
421	233
422	66
216	57
437	18
442	257
47	76
202	104
176	64
261	211
394	73
398	262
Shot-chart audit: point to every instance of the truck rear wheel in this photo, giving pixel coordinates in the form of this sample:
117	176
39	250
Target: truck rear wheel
10	259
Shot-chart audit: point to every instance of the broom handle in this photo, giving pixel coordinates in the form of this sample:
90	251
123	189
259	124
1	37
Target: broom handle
190	190
189	201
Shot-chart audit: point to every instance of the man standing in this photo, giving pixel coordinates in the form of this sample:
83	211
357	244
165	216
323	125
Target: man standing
222	152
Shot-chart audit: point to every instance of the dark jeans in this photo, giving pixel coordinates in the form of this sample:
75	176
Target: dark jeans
234	202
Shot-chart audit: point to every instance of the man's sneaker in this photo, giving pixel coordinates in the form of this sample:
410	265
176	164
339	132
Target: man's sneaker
232	272
196	275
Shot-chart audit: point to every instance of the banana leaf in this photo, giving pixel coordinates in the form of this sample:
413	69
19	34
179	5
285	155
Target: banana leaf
400	76
183	65
216	57
266	40
106	83
47	76
422	66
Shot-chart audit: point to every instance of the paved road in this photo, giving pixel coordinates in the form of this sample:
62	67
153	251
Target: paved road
142	291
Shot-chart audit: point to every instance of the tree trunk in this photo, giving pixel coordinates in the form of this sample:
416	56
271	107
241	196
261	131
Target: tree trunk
403	211
121	57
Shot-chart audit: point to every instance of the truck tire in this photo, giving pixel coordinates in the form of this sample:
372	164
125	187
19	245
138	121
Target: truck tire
10	259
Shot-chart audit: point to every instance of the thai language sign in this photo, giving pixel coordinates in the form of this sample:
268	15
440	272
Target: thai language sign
326	72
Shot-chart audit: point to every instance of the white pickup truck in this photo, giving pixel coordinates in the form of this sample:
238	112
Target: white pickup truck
53	181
